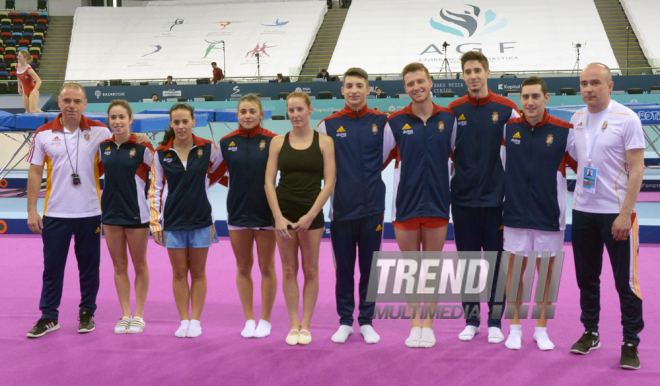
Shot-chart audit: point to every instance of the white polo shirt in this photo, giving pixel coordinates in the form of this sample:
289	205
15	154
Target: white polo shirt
618	129
49	147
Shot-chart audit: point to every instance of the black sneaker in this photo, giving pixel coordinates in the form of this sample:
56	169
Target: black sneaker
86	322
588	342
629	357
43	327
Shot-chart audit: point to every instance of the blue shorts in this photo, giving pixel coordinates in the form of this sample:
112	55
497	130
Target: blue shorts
196	238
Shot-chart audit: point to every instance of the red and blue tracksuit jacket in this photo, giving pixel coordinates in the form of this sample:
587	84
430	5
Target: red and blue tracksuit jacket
421	178
535	161
478	179
358	137
126	168
244	155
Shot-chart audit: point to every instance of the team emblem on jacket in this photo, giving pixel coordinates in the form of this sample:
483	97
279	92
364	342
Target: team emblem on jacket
168	157
232	147
86	136
549	140
604	126
407	129
461	120
131	153
374	128
441	126
341	132
496	117
262	145
200	152
579	127
516	138
107	151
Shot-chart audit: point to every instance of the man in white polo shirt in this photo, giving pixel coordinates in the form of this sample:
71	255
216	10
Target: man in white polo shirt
68	146
609	148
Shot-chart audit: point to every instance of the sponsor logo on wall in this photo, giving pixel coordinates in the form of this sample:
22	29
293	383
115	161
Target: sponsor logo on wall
468	23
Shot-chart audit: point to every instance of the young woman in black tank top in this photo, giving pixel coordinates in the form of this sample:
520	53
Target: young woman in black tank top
304	157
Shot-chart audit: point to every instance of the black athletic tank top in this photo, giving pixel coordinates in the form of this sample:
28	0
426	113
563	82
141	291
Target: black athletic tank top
301	172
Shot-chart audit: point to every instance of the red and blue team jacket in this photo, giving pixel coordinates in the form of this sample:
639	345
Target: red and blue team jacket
535	162
126	167
421	178
478	179
244	155
358	137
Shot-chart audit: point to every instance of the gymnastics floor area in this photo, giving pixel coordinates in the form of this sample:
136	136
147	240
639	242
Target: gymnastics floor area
222	356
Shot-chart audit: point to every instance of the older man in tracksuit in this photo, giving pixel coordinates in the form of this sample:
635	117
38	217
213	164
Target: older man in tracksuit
358	202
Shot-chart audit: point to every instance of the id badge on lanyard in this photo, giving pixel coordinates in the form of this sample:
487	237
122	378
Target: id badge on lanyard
589	179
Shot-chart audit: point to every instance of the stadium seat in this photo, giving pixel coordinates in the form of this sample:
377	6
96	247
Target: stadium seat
13	15
19	48
41	29
28	28
3	66
10	4
33	15
17	28
5	29
35	51
35	58
44	15
12	67
9	42
5	22
4	87
42	5
38	35
324	95
42	22
30	22
23	15
567	91
24	43
2	50
10	51
12	75
17	35
282	95
4	75
4	15
635	91
27	36
9	59
18	22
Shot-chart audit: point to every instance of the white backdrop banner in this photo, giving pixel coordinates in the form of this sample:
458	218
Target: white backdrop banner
182	41
197	2
643	16
382	36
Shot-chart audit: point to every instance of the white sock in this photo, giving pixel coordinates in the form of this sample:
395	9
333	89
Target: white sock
370	336
182	331
542	339
195	329
428	338
414	337
342	334
123	329
514	342
248	331
468	333
263	329
495	335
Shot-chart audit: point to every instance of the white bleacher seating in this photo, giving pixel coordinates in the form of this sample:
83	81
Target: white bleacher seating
382	36
183	40
643	17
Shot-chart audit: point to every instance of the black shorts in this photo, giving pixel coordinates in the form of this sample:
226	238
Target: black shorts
294	210
131	226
